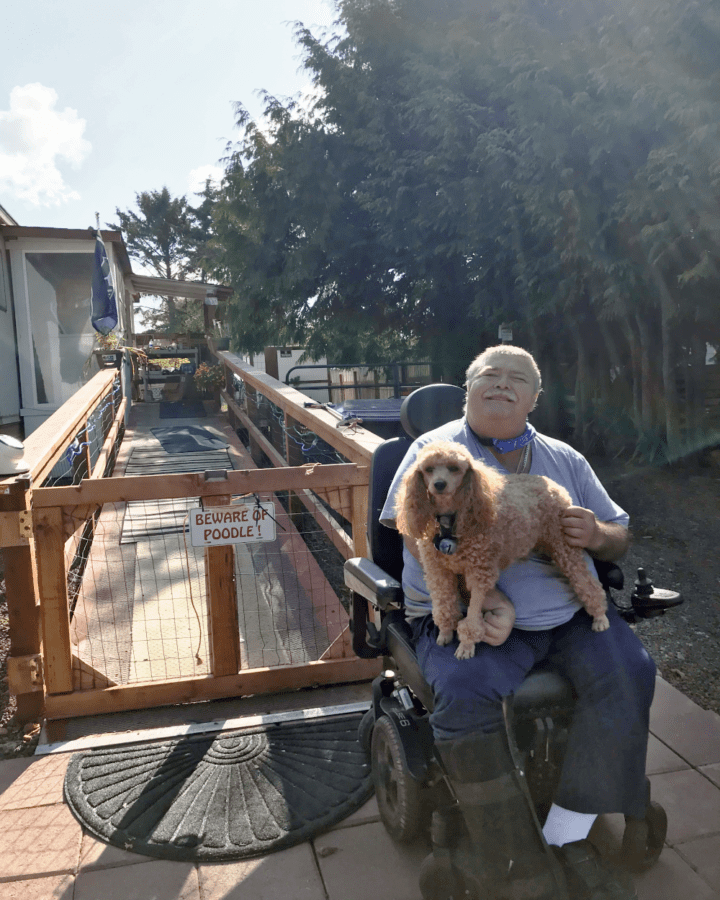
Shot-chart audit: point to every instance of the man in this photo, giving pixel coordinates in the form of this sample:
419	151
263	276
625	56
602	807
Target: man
535	617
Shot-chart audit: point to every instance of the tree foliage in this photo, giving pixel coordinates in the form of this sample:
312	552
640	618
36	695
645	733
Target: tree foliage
552	164
168	236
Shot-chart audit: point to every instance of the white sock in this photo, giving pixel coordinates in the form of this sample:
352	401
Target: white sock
563	826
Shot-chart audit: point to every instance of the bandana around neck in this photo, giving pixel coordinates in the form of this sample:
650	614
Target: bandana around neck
512	444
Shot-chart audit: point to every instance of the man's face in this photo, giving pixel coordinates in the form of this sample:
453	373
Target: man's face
503	393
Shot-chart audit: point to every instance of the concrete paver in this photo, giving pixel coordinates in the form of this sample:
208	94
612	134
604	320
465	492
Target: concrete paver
367	813
39	841
57	887
672	878
361	862
156	880
38	783
290	874
712	773
692	732
660	758
703	854
96	854
691	803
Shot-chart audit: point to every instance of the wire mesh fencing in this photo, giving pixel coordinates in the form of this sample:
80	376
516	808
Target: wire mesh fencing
140	607
83	450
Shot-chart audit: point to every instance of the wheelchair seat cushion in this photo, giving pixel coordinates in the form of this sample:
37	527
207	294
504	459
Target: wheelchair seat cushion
544	691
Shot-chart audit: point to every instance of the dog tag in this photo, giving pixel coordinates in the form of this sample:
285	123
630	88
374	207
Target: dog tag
446	545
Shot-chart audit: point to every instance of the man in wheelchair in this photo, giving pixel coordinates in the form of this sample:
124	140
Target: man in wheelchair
502	850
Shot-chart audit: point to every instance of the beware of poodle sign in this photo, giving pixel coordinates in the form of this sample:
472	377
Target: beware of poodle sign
240	523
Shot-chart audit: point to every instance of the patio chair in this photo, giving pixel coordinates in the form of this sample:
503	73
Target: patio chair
411	789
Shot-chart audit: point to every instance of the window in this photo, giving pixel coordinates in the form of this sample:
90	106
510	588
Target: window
59	287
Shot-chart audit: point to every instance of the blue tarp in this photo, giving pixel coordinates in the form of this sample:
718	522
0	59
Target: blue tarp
387	410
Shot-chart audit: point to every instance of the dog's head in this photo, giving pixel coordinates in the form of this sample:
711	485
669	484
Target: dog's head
442	467
445	478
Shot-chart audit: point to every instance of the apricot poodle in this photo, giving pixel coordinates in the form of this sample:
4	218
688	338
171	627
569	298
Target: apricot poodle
483	521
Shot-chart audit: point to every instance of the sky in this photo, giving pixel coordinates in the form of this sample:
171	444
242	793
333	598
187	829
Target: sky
99	102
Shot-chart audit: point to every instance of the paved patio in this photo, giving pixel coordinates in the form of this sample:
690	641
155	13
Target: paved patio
47	854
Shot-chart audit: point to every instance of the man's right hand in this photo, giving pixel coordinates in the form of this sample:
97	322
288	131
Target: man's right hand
499	616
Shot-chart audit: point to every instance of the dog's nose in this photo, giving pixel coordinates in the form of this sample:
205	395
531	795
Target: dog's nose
440	485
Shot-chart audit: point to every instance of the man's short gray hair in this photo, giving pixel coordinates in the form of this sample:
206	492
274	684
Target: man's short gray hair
477	364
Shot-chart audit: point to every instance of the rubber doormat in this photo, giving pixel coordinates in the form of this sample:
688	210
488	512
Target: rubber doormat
226	796
188	439
188	409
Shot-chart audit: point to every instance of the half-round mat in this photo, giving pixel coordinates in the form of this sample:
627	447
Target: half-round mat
224	796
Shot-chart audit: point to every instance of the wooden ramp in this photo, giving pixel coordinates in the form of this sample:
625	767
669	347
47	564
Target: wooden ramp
141	613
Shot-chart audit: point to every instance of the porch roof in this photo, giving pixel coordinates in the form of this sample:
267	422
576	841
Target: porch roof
139	284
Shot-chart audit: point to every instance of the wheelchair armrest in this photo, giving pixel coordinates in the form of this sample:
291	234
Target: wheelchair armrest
610	575
369	584
366	578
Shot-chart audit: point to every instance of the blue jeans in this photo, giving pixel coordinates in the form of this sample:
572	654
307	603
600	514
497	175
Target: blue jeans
613	678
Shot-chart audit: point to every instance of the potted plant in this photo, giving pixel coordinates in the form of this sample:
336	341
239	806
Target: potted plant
110	353
210	379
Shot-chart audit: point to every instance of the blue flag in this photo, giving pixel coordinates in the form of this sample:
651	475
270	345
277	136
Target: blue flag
104	315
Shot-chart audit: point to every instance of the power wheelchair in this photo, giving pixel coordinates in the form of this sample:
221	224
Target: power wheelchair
413	792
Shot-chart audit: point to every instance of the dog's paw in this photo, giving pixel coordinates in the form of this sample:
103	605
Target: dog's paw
465	651
445	637
600	623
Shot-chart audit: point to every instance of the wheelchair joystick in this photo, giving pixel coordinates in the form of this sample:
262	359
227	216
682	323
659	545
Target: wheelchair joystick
649	601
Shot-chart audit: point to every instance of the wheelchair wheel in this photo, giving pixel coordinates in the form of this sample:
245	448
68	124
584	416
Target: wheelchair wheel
644	839
365	730
399	795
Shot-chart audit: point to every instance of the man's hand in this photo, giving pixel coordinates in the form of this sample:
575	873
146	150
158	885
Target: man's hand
580	527
499	616
603	540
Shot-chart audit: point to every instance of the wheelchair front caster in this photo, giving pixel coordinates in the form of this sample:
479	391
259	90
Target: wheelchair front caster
643	839
365	730
399	796
440	880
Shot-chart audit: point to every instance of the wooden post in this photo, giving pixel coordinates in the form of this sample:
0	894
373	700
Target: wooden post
54	609
223	627
359	520
22	593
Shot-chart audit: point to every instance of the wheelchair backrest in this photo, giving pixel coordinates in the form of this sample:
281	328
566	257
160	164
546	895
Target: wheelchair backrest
426	408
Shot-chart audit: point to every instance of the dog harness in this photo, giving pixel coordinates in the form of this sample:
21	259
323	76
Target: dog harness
446	542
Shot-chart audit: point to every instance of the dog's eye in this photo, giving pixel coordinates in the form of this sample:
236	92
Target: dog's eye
453	468
428	469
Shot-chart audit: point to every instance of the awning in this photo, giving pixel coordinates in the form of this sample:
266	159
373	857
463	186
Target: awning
170	287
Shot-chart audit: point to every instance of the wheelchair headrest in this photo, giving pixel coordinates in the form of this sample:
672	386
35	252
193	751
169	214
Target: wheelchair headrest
430	407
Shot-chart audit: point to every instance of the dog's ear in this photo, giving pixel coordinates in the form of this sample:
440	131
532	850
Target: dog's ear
413	509
479	488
